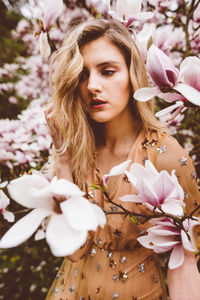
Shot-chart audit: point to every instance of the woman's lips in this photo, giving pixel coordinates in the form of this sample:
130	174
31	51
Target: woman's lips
97	103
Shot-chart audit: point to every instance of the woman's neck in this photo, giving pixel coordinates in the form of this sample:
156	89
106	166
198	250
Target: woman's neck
119	133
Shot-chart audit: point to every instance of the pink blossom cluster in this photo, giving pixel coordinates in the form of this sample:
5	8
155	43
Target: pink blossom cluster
23	140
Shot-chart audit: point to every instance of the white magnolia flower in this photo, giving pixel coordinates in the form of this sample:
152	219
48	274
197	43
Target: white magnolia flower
127	9
66	231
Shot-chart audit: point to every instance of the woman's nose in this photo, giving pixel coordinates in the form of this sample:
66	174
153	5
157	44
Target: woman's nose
94	84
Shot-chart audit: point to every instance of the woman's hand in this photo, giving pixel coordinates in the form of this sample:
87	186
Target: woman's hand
184	282
63	161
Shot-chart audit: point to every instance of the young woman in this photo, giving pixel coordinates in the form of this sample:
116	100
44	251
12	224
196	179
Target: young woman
96	124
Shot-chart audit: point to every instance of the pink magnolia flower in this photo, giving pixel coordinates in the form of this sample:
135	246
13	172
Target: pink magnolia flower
52	9
4	202
155	190
163	74
167	79
189	85
165	236
129	10
66	231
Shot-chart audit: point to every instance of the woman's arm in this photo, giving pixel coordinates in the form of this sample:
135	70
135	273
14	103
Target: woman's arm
184	282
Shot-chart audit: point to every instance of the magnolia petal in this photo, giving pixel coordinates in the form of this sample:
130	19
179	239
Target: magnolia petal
150	168
63	187
131	178
190	93
176	258
163	185
4	200
62	239
117	170
146	94
31	191
127	8
146	241
132	198
177	193
169	207
163	221
171	97
40	235
186	243
143	16
9	216
3	184
190	71
161	68
24	228
160	249
79	214
44	47
99	215
152	241
164	230
146	190
142	173
52	9
169	109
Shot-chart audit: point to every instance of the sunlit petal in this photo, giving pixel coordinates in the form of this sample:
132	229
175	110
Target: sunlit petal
31	191
173	208
146	94
186	243
24	228
63	187
4	200
62	239
132	198
99	215
176	258
190	93
9	216
117	170
79	214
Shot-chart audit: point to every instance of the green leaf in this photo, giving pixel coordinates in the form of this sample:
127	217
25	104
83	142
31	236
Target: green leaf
94	187
133	219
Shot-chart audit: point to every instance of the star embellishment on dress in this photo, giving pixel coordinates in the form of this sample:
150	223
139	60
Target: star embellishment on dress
161	149
183	161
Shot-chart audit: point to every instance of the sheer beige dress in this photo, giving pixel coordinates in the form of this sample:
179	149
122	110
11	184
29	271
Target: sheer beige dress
114	265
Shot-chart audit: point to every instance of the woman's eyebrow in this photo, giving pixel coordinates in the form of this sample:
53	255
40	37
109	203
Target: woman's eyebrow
109	62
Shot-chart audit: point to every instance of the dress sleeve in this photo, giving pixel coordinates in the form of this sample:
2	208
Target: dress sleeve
171	156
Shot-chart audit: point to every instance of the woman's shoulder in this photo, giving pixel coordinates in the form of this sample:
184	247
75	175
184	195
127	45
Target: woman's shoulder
168	153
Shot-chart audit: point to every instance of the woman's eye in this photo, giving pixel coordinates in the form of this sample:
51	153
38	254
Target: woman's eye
108	72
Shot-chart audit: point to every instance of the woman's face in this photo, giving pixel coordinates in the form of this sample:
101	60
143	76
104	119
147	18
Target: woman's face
104	82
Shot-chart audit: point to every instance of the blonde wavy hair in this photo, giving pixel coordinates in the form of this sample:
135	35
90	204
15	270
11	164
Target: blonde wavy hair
76	130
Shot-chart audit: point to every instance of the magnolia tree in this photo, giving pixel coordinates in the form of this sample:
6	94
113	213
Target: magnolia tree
167	33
